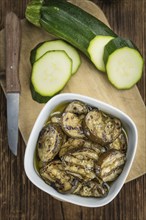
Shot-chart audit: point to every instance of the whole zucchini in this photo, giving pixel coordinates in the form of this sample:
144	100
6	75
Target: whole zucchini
67	21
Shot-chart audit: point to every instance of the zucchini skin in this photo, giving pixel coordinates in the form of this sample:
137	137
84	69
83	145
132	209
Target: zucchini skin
59	24
68	22
33	53
115	44
37	97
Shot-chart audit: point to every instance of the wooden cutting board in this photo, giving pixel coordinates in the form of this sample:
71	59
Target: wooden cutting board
87	81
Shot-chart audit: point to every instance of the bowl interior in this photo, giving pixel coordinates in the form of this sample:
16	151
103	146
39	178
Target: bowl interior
32	174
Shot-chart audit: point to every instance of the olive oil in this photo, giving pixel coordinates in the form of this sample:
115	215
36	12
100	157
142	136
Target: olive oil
57	110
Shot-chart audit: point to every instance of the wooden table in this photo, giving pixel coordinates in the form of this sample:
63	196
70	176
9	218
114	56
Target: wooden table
19	198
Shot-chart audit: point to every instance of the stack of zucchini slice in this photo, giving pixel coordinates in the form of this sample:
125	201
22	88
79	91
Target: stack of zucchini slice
53	63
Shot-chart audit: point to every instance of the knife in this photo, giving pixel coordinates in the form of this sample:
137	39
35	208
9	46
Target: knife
12	31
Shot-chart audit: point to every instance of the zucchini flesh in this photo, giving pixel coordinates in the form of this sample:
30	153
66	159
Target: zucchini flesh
44	47
124	63
96	50
50	74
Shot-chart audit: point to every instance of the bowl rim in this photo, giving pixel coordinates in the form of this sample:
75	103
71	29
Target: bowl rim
28	164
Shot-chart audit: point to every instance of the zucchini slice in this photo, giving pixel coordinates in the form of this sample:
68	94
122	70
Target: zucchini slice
101	128
72	125
77	107
56	118
96	50
120	143
110	165
44	47
49	142
50	74
70	144
93	188
124	63
55	175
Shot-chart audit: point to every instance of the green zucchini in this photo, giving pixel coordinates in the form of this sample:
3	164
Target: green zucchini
84	31
96	50
42	48
50	73
124	63
68	22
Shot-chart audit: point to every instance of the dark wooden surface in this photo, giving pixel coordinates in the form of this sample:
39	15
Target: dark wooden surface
19	198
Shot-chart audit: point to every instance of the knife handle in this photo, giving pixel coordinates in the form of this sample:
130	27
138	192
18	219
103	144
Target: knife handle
12	30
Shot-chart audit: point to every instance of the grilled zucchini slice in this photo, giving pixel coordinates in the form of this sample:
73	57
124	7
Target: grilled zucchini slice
93	188
110	165
101	128
80	162
72	143
49	142
72	125
55	175
120	143
77	107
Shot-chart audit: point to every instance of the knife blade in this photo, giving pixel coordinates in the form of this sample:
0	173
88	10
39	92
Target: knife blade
12	31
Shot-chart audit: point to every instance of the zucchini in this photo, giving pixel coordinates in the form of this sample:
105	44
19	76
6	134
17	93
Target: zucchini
72	125
110	164
42	48
124	63
68	22
96	50
54	174
101	128
86	32
49	142
77	107
50	74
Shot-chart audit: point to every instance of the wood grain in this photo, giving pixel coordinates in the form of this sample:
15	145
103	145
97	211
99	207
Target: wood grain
13	39
21	200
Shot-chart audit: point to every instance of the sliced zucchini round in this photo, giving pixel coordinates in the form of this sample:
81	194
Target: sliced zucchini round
120	143
96	50
72	125
101	128
50	74
82	169
49	142
70	144
92	188
124	63
77	107
56	118
110	165
44	47
54	174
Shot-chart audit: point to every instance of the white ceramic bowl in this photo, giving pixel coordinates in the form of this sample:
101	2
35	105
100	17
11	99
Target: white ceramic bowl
30	149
